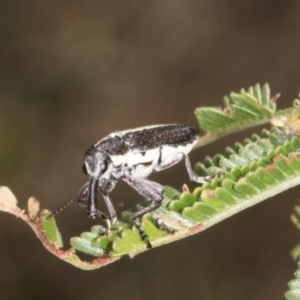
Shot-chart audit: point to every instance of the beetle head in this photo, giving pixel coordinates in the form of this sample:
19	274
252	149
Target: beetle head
96	163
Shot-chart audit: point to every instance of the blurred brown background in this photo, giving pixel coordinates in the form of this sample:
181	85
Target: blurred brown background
73	71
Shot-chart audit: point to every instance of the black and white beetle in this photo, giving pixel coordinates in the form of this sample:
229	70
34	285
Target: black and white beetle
132	155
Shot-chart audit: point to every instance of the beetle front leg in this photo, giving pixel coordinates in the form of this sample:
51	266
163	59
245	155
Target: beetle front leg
87	199
104	217
113	215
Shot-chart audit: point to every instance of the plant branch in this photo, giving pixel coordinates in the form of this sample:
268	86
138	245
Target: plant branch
252	171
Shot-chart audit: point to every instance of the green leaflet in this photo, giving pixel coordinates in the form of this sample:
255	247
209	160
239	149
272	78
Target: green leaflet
50	229
295	218
85	245
294	287
240	108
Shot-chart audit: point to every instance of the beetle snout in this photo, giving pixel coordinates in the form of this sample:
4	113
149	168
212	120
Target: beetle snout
93	214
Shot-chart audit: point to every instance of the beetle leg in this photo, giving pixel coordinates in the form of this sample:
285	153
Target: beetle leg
174	159
112	213
87	198
104	217
142	233
161	223
150	190
111	210
193	175
169	161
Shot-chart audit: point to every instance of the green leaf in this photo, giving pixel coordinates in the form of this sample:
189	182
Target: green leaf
129	240
51	231
171	193
151	230
86	246
294	287
295	253
241	110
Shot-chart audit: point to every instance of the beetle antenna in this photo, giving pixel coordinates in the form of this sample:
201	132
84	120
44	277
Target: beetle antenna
59	209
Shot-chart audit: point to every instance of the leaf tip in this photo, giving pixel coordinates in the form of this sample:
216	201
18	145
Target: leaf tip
8	200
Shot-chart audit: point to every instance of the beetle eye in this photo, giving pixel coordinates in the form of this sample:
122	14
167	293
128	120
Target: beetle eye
84	169
103	166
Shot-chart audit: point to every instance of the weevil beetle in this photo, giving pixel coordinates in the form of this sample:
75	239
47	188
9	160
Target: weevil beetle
132	155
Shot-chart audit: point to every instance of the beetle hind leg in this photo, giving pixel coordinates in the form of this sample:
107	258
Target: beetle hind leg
174	159
193	176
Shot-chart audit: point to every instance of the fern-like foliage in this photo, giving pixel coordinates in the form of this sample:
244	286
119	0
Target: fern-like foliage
253	170
296	221
242	110
255	103
294	287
